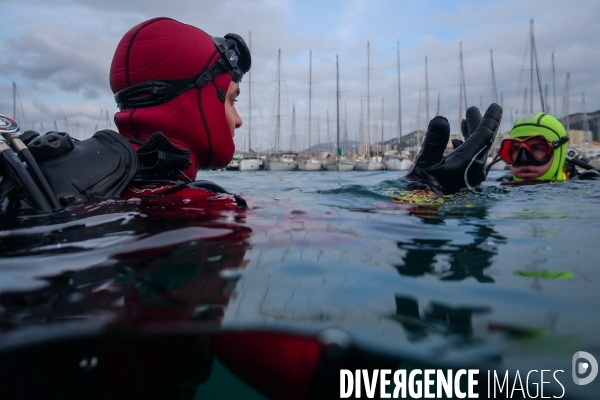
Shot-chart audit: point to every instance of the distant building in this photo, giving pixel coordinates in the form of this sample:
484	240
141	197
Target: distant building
577	137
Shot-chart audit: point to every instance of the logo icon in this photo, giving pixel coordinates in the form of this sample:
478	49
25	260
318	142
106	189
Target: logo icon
582	367
233	57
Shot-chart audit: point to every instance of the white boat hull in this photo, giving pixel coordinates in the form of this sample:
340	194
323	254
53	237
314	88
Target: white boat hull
369	166
397	164
233	166
340	166
249	165
392	164
281	165
309	165
406	165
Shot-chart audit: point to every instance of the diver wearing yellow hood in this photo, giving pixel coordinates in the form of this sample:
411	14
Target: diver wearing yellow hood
537	150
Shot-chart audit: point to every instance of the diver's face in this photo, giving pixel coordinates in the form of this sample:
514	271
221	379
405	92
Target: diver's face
530	172
234	120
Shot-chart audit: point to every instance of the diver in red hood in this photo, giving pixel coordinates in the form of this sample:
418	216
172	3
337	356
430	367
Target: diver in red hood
177	79
175	87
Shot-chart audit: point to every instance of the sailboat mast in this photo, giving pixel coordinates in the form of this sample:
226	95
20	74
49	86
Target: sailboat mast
555	111
328	135
361	128
426	93
537	71
399	146
278	129
309	99
293	144
368	98
566	98
419	113
494	86
250	98
461	86
345	127
337	103
319	135
585	117
438	105
14	86
531	56
381	145
463	81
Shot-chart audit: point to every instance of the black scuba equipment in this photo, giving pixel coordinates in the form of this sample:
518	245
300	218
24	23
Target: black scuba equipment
99	167
38	176
13	168
574	158
235	59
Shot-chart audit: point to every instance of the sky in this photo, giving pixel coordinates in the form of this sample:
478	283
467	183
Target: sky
59	53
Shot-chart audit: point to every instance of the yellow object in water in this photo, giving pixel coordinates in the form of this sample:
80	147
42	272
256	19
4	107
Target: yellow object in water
560	275
418	197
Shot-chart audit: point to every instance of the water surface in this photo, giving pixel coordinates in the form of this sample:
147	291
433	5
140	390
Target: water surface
504	278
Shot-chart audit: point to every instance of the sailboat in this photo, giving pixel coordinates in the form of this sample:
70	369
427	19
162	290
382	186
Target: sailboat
369	163
396	160
234	164
252	162
310	163
280	161
339	163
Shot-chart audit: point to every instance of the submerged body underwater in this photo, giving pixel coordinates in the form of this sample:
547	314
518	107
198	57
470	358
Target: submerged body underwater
325	270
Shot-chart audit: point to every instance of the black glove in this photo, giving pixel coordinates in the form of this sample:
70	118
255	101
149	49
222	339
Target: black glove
464	167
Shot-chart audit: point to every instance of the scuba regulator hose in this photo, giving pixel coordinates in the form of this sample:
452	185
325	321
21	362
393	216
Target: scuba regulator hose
27	157
14	169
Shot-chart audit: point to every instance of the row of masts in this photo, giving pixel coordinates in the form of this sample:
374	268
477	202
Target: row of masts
463	102
104	119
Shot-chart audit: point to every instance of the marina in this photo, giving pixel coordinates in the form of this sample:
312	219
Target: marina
286	212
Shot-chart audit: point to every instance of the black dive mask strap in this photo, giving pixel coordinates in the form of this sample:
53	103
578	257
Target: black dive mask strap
154	93
235	59
557	143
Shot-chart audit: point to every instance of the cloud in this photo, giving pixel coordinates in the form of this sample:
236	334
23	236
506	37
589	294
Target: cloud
60	55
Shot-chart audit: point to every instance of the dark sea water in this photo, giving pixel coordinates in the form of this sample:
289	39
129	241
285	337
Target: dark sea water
503	279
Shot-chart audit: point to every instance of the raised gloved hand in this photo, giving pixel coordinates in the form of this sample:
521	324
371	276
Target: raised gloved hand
464	167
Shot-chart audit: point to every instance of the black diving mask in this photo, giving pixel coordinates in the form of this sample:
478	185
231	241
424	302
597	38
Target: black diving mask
235	59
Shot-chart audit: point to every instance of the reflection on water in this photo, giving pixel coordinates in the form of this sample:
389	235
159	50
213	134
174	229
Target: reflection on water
438	318
322	272
112	307
463	260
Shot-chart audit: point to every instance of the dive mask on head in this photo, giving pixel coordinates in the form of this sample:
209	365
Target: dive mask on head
533	150
235	59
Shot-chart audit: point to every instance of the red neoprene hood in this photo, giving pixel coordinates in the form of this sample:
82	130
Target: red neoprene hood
165	49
